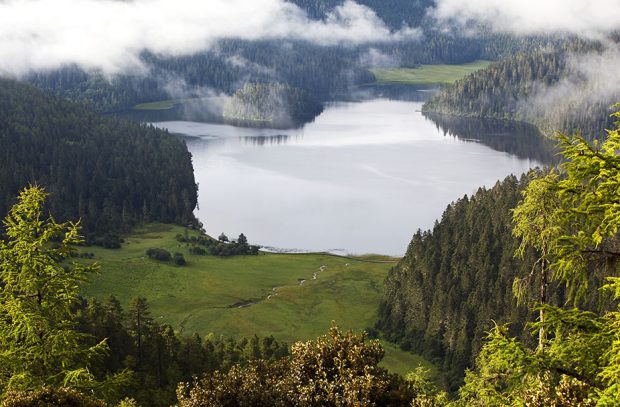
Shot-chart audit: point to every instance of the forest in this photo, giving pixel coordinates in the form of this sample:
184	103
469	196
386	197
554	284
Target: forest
518	88
455	280
108	173
270	105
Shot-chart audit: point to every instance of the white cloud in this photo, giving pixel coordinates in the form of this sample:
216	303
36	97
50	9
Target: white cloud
373	58
589	18
110	34
591	78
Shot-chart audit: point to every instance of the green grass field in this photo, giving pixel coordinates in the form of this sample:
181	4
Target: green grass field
427	74
170	103
160	105
201	296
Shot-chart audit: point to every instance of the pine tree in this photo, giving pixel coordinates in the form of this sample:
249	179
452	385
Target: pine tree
39	343
581	359
536	224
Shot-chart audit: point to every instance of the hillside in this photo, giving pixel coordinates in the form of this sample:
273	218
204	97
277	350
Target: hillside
394	12
270	105
548	89
455	280
107	172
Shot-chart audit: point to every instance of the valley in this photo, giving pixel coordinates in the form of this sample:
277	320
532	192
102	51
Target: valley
302	203
364	175
243	296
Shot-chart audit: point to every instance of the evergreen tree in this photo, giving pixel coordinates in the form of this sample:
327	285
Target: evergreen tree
535	223
39	344
580	364
140	327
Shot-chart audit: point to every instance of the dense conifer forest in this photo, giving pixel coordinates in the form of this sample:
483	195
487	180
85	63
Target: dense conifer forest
395	13
270	105
158	356
107	172
456	282
456	279
519	88
465	292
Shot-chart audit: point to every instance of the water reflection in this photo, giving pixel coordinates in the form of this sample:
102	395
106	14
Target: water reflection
410	93
520	139
204	110
266	140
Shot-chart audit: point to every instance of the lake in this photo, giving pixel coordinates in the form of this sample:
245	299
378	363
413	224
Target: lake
361	178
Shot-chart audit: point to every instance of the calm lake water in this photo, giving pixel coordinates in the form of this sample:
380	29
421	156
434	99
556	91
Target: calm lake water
362	178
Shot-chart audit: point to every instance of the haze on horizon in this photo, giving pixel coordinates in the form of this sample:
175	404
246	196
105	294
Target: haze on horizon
110	34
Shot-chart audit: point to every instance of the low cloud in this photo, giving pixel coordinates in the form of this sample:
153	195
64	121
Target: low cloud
111	34
373	58
590	79
587	18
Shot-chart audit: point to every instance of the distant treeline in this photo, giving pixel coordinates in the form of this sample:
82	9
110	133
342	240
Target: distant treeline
159	356
522	88
107	172
394	13
325	73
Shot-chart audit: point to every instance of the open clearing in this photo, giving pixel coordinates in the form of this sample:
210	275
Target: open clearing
427	74
171	103
246	295
160	105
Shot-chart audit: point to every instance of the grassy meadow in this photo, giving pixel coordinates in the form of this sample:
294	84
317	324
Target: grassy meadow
159	105
427	74
171	103
246	295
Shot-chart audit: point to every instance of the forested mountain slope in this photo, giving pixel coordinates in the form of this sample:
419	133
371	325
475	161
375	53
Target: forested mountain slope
395	13
108	172
551	89
455	280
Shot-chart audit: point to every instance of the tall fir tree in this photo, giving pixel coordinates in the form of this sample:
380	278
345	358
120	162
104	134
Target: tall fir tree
39	343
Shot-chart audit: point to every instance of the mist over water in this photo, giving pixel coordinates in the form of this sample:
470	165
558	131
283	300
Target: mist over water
362	178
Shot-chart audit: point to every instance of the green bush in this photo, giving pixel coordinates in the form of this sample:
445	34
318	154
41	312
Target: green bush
198	251
159	254
178	259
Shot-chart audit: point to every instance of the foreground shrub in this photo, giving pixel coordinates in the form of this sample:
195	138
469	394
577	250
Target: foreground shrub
159	254
50	397
338	369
